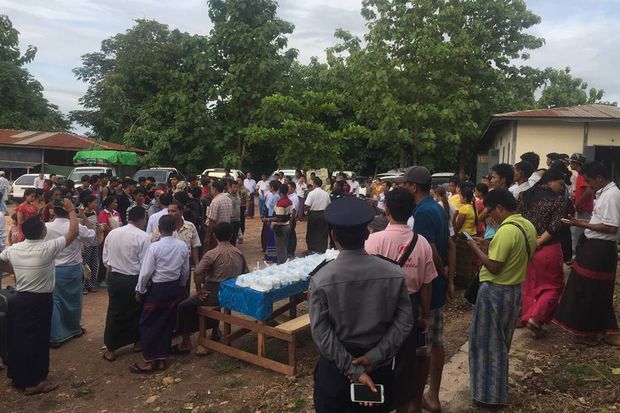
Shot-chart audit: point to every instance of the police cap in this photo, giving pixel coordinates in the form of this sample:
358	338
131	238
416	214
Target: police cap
349	212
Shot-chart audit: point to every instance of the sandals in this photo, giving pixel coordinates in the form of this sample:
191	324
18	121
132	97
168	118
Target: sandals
178	351
535	328
40	389
159	365
109	356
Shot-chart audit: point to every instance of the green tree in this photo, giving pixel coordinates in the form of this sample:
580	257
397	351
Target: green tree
150	87
22	105
249	47
561	89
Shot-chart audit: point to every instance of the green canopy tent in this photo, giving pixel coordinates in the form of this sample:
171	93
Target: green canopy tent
106	157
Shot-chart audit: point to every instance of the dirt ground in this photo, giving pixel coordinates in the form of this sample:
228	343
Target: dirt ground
573	379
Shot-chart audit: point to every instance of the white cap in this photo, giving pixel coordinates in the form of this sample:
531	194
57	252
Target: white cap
1	173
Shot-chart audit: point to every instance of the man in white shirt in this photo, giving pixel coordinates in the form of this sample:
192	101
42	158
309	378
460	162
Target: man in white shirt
586	308
164	201
5	188
123	252
355	186
67	314
165	271
315	204
523	171
292	236
33	265
39	181
263	188
250	185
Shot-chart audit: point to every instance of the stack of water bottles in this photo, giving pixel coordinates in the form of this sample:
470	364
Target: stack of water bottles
278	276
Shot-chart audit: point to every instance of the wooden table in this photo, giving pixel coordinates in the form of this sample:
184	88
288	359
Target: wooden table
286	331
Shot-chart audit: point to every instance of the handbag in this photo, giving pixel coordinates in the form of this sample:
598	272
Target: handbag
471	293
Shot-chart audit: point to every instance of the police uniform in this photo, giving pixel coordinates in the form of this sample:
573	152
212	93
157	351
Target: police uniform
359	306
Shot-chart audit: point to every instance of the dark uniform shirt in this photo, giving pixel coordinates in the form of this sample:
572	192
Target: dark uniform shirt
359	301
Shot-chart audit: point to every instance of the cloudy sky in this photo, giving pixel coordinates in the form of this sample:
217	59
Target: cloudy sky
579	34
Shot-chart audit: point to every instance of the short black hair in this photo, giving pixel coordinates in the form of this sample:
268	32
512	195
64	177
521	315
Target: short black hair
33	227
317	181
223	231
454	180
292	184
425	188
150	178
275	185
468	193
192	178
218	185
141	179
594	169
532	158
177	204
351	238
88	198
108	201
69	184
139	191
525	167
165	199
52	175
196	192
103	175
400	203
136	214
482	188
504	170
128	182
554	156
182	198
283	189
93	179
167	223
29	191
501	197
84	178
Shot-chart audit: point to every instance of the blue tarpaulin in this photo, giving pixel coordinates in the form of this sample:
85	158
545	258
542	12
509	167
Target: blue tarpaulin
256	304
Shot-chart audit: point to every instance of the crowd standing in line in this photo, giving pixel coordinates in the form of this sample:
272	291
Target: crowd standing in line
506	238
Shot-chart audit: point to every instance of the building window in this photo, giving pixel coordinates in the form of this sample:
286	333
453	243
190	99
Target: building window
503	154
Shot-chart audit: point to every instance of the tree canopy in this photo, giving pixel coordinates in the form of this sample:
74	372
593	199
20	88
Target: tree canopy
22	105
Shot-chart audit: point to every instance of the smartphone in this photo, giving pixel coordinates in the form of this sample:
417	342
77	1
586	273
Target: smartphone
361	393
467	236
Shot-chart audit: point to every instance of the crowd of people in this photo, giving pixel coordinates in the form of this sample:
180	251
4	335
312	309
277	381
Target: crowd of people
376	311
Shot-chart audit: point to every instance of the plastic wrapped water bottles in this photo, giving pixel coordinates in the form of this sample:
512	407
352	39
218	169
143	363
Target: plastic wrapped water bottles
276	276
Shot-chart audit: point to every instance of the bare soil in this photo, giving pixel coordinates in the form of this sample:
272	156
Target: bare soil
573	379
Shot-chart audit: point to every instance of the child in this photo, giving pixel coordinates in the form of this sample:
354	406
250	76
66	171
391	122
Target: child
13	230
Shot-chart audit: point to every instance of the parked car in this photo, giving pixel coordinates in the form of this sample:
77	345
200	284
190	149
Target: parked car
287	172
161	175
441	178
24	182
218	173
79	171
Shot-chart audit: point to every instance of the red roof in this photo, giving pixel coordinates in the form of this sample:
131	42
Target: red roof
56	140
579	112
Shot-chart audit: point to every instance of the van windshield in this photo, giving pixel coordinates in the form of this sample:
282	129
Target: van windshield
160	176
76	175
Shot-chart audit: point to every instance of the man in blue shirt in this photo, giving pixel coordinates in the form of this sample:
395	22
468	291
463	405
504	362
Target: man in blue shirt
431	221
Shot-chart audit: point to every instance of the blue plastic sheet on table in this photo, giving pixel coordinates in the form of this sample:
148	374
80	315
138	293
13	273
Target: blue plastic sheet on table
256	304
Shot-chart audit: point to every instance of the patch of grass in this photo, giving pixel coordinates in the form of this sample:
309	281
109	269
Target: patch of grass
580	370
236	381
298	403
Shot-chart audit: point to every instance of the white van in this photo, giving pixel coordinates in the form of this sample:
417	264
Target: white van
24	182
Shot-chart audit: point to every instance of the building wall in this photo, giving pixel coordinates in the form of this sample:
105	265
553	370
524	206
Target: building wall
503	143
603	134
544	137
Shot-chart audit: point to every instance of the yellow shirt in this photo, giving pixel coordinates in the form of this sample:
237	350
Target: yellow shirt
455	201
469	225
508	246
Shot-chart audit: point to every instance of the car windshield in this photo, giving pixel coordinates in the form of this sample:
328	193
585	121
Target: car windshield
160	176
76	175
25	180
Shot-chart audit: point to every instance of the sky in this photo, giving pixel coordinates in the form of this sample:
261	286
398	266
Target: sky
579	34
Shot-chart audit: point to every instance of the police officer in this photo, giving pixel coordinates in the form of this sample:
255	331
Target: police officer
360	314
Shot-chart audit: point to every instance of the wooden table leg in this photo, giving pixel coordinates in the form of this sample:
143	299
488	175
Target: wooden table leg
261	342
293	309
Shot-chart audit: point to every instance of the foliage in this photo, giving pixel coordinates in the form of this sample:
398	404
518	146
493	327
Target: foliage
561	89
248	43
22	105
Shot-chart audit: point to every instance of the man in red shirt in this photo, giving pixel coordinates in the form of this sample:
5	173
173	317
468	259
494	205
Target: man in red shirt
584	197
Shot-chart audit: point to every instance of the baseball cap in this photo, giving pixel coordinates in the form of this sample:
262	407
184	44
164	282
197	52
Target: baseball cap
416	175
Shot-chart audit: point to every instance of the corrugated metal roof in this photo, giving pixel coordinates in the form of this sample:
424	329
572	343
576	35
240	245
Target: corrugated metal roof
56	140
576	112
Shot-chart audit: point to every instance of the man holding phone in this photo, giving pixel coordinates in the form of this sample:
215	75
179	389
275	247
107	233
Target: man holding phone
360	314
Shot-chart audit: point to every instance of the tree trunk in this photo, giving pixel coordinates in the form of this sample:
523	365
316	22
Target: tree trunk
414	156
402	158
242	155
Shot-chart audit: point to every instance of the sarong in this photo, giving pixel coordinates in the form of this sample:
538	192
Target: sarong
90	255
158	319
493	323
251	206
122	325
270	245
404	368
29	358
292	239
586	307
188	310
300	213
67	314
317	233
543	285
